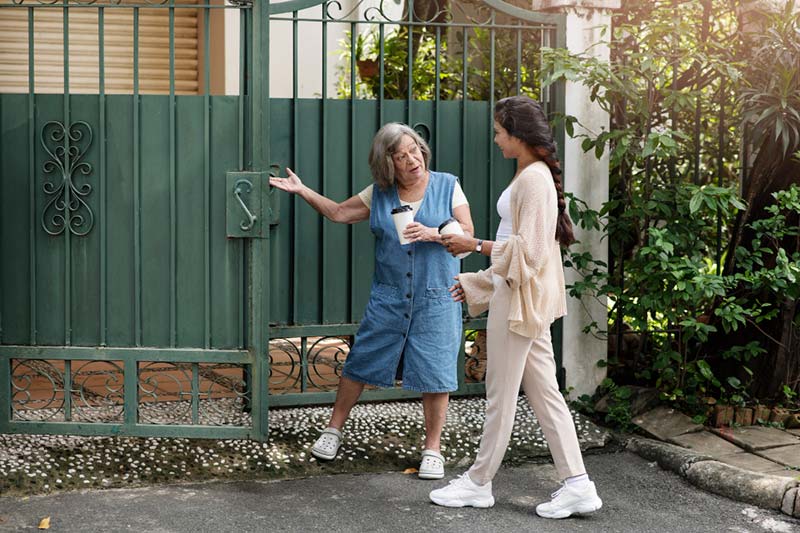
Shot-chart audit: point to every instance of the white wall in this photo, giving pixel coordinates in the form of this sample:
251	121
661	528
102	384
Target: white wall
587	178
232	37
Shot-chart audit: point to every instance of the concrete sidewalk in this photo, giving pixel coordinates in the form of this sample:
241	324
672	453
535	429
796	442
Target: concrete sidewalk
759	465
638	497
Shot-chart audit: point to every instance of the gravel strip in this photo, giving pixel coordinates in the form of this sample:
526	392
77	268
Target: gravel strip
377	437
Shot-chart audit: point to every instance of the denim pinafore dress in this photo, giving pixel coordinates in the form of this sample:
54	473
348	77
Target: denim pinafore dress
410	316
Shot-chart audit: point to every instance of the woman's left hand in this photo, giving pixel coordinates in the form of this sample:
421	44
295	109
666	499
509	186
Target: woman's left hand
458	244
417	232
457	291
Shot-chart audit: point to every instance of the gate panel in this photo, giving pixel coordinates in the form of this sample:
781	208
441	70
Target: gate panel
465	57
124	307
227	266
84	264
16	276
120	276
191	230
157	176
72	317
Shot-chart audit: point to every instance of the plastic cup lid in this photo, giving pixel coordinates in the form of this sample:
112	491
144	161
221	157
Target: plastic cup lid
446	222
402	209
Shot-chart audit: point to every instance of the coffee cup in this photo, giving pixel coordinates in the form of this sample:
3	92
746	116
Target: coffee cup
452	227
403	216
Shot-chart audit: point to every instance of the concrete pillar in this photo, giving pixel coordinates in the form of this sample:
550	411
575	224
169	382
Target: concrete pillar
587	178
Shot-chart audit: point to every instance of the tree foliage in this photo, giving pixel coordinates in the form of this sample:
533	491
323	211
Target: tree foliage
703	246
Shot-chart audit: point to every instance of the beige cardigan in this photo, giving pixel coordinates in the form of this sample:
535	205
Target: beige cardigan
529	261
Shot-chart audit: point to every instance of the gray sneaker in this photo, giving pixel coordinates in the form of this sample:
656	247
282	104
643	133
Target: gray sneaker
570	500
462	492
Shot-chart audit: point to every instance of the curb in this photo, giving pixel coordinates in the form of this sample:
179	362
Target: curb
771	492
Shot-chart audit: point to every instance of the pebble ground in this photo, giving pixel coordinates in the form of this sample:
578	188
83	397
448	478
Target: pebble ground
378	437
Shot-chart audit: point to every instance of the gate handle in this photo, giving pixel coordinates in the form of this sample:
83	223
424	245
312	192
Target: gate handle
240	187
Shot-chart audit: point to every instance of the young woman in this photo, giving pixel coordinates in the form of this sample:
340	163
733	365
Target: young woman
524	292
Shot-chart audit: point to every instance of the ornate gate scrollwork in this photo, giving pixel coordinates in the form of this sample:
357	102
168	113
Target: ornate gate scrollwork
66	205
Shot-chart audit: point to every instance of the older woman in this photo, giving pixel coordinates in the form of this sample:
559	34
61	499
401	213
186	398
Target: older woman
411	326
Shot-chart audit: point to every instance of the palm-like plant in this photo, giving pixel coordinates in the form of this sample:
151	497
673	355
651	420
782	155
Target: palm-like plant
770	103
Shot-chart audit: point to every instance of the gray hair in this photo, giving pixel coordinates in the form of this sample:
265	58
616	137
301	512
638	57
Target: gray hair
384	145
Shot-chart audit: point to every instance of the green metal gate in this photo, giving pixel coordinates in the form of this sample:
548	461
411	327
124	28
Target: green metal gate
149	283
129	304
461	56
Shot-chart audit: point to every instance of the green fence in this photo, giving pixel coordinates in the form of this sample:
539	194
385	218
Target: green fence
125	308
466	56
150	283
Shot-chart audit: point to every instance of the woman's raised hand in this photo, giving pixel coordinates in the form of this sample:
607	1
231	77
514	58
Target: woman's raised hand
292	184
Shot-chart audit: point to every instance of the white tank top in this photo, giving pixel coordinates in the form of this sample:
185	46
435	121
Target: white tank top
504	210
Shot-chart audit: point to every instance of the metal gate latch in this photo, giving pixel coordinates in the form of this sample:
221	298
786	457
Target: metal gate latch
249	205
243	185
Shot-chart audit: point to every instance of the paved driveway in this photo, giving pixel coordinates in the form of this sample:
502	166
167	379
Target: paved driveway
638	496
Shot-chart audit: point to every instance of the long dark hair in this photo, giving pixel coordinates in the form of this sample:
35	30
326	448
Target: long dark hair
523	118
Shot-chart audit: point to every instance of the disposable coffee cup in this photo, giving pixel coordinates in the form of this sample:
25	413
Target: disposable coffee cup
452	227
403	216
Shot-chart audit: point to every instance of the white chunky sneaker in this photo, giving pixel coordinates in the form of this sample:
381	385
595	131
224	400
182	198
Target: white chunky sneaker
570	500
462	492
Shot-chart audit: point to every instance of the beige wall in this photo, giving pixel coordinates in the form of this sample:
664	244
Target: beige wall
154	55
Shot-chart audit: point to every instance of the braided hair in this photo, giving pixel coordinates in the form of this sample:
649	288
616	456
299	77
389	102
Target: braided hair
523	118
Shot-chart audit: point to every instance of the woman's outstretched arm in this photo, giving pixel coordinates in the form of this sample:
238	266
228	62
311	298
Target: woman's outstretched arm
350	211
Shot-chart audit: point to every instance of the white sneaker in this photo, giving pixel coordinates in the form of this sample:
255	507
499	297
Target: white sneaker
569	500
462	492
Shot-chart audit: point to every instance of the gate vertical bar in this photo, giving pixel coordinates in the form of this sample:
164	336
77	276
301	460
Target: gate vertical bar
296	246
241	162
173	208
67	390
323	151
462	361
544	92
207	179
67	194
5	395
464	95
410	62
559	97
493	217
259	248
137	245
196	393
103	227
381	74
436	103
131	376
519	61
350	229
32	173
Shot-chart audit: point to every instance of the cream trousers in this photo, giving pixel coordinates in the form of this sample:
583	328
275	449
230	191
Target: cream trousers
513	359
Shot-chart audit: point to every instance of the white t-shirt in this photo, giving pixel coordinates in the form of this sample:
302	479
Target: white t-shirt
459	198
504	210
